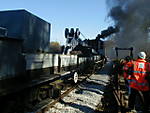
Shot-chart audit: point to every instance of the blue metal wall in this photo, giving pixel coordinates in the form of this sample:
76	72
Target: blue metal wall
23	25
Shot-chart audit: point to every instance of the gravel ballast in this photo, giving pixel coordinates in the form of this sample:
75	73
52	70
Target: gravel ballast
86	97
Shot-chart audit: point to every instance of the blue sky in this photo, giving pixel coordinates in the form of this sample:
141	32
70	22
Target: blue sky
90	16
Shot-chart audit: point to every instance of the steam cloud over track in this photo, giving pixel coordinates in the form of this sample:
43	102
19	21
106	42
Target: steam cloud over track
133	19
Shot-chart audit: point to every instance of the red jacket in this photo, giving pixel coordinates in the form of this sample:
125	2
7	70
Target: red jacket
126	66
140	71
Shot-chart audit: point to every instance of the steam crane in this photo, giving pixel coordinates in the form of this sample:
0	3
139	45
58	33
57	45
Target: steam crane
74	44
96	46
72	39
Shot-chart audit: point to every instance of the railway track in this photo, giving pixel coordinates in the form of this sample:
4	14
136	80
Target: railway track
116	96
114	100
120	93
43	106
45	95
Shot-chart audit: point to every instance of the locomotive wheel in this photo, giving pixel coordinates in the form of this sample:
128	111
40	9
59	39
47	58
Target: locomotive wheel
75	77
42	93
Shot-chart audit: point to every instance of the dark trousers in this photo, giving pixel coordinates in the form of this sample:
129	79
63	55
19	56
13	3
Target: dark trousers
144	97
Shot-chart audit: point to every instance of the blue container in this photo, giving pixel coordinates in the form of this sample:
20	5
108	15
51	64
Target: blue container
34	31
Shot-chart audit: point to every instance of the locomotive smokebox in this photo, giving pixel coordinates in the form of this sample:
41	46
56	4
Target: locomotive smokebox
21	24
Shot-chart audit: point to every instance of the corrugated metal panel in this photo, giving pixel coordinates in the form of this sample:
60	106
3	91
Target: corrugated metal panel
39	61
68	60
33	30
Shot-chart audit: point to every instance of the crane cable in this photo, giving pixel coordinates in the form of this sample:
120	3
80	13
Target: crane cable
83	35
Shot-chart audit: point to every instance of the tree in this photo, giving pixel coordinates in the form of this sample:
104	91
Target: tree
55	47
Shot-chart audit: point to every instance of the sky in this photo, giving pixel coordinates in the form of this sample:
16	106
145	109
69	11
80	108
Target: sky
90	16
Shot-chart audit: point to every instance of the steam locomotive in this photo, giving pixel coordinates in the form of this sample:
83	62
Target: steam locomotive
25	59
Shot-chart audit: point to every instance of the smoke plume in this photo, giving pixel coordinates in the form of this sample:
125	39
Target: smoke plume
133	19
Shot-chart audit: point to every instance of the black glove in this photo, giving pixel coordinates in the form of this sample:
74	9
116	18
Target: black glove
147	78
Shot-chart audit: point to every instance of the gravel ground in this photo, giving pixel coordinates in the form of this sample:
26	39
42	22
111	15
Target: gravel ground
86	97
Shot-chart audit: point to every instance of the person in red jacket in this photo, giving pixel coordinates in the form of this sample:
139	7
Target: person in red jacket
139	84
127	73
